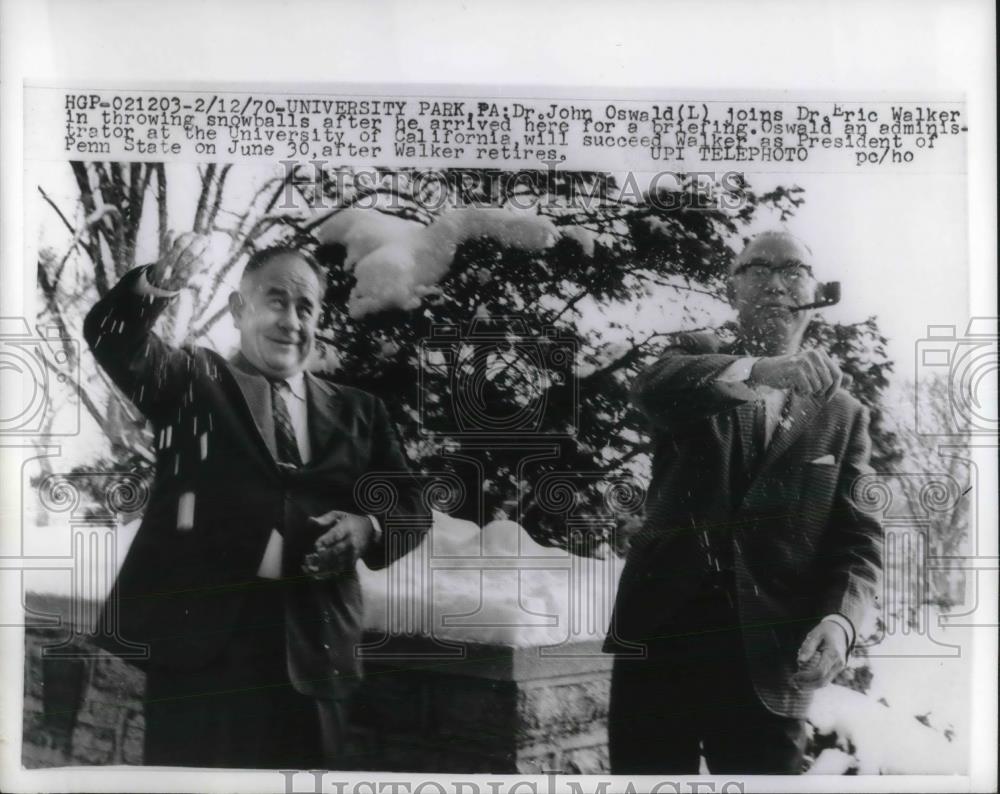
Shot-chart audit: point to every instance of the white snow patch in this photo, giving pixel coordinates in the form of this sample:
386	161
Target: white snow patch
361	231
832	762
495	586
886	740
585	237
397	262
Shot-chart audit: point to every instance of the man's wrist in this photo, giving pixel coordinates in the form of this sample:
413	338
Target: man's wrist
846	626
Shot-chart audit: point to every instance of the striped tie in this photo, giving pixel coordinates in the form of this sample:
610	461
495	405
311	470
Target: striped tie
284	433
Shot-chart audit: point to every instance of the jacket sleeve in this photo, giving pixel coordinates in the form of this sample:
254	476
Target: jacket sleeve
406	519
119	332
683	385
853	543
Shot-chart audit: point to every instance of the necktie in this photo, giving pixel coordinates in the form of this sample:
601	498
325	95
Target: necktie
754	437
284	433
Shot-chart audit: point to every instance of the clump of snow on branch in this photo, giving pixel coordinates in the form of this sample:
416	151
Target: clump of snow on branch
584	236
361	231
398	262
491	603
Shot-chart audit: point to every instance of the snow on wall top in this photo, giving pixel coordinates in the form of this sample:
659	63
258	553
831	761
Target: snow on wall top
495	586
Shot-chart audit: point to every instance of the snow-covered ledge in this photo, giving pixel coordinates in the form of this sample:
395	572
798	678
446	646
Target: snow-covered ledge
483	655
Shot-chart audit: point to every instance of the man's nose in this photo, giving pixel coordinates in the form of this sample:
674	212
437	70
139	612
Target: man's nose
775	283
289	319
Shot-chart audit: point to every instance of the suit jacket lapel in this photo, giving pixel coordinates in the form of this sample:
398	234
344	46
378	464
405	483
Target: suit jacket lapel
321	399
257	398
799	413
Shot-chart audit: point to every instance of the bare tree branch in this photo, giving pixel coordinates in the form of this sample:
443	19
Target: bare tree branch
161	206
93	243
207	178
220	182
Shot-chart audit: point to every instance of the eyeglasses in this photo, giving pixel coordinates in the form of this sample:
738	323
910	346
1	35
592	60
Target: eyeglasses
790	273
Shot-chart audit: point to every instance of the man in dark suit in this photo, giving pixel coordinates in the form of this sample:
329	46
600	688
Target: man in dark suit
241	581
745	588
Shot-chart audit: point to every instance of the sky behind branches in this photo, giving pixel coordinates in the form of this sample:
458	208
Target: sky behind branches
898	243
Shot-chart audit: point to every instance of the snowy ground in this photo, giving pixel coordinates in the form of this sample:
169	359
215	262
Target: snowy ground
914	718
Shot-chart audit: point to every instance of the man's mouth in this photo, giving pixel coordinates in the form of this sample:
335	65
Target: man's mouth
284	342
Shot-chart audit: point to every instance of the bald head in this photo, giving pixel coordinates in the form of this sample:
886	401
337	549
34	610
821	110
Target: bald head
773	247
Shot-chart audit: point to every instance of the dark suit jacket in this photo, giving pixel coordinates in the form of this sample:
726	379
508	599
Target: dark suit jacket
179	590
802	548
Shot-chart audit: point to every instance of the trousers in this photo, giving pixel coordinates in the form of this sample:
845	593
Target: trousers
692	697
240	710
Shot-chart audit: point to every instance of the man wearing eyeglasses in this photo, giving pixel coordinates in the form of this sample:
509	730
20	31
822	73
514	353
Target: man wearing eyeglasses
744	590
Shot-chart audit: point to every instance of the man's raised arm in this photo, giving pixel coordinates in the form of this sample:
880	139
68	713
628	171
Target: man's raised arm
119	330
687	382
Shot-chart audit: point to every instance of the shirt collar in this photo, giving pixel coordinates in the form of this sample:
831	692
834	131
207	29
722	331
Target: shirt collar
297	385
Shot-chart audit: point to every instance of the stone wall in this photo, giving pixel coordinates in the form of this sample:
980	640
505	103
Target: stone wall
84	710
493	709
473	708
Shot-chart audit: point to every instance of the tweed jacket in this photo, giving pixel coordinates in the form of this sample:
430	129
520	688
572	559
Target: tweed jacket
801	547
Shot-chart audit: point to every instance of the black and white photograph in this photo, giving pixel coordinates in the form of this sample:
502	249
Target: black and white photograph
489	437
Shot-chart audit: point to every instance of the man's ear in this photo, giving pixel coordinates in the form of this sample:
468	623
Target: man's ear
236	306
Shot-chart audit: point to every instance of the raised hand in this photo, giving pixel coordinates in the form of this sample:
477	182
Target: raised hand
808	372
184	255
